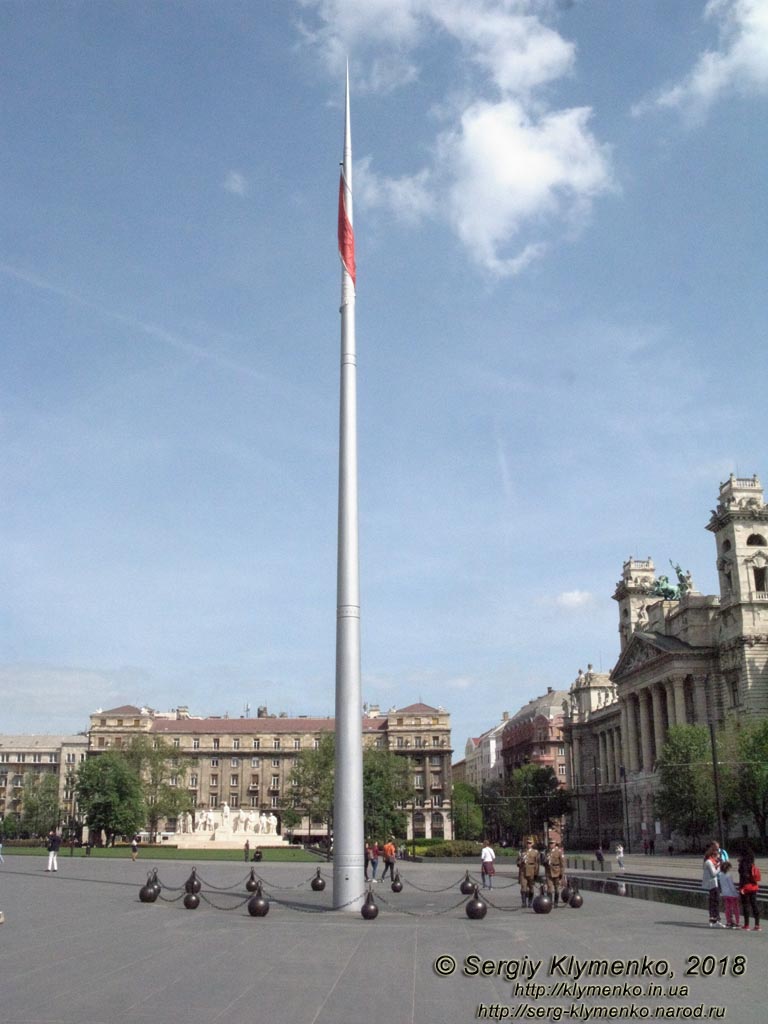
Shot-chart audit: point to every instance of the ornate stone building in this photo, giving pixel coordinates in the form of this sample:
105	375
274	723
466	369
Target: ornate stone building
248	762
482	756
685	658
534	735
21	756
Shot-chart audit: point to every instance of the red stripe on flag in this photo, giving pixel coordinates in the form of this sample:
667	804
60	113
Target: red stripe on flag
346	236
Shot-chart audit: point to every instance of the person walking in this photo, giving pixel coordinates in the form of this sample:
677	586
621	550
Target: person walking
134	848
54	845
710	879
749	880
620	856
367	854
247	850
487	867
2	859
730	896
390	855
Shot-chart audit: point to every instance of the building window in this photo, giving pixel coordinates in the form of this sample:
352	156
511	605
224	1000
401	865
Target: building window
37	759
275	783
435	741
734	684
275	762
234	800
255	800
70	758
435	759
760	575
120	721
755	540
213	800
275	801
196	743
255	762
437	800
214	762
417	742
256	744
276	743
136	723
561	751
176	741
316	744
235	744
254	780
400	741
234	762
174	781
561	769
216	744
214	780
234	780
297	744
418	781
193	781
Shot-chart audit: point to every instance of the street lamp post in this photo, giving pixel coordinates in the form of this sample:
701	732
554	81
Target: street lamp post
623	773
597	801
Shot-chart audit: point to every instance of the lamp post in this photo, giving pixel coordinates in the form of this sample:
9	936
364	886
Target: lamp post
597	802
623	774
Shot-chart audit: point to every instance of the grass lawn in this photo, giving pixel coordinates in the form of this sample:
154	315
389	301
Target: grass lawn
155	853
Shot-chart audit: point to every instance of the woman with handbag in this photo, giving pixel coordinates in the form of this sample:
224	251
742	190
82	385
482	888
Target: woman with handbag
487	869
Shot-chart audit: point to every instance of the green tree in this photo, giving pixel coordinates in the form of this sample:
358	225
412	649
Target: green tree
162	771
387	781
685	798
40	802
752	774
109	794
535	797
465	812
312	779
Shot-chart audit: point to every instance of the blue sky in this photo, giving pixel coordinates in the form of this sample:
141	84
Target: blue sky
560	214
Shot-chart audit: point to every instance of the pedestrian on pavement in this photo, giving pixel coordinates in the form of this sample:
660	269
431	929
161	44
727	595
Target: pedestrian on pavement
749	880
247	850
487	867
730	896
710	883
389	851
374	861
53	845
367	854
620	856
134	848
652	847
2	859
600	856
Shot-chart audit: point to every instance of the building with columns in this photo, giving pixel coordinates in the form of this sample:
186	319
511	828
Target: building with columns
685	658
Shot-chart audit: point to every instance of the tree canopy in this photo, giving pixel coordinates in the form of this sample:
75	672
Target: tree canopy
685	797
110	795
161	770
40	803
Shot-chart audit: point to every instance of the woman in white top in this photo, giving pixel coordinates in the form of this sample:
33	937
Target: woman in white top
487	857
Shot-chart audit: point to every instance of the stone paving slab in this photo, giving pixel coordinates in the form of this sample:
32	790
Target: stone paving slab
78	947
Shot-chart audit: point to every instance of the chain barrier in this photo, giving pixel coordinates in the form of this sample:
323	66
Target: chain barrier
215	906
413	913
452	885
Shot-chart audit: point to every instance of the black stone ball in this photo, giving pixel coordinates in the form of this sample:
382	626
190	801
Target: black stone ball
476	908
542	904
369	910
318	883
467	886
397	885
191	901
148	893
576	900
258	906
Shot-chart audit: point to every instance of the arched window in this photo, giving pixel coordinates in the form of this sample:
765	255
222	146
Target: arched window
438	826
726	545
419	829
756	540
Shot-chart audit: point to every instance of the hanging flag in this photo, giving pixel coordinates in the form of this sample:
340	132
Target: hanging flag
346	234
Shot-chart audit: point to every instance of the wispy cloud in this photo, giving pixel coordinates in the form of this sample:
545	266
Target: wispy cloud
738	64
573	600
150	330
236	183
510	175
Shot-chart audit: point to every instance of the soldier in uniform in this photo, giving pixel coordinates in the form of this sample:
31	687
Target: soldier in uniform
555	868
528	863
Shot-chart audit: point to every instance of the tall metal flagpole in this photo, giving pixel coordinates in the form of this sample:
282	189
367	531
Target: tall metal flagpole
348	854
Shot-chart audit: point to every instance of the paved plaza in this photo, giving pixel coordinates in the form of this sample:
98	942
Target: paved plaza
78	947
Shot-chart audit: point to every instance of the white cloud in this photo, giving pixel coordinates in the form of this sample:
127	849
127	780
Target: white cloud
511	170
236	183
509	175
574	599
739	64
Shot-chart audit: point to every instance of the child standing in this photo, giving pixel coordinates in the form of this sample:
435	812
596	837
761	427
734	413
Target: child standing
730	896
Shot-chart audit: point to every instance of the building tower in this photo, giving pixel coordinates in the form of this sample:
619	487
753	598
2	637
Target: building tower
632	593
740	526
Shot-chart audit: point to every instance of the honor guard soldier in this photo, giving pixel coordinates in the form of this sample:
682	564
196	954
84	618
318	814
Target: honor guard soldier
555	869
529	863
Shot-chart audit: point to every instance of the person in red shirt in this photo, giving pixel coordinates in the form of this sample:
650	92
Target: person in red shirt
390	853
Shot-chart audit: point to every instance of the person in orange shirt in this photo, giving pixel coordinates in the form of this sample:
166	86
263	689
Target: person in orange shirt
390	853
